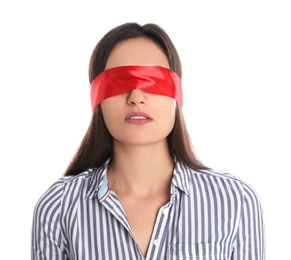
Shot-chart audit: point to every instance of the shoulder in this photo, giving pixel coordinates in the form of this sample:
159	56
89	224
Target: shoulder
219	182
52	194
82	184
228	179
47	209
51	200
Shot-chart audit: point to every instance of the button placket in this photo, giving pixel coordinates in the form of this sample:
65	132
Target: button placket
159	229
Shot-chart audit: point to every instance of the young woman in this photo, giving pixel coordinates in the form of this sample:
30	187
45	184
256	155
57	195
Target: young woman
135	189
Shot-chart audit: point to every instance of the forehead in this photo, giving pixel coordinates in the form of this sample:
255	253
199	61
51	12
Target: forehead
137	51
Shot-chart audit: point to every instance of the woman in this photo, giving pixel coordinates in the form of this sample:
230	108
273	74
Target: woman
135	189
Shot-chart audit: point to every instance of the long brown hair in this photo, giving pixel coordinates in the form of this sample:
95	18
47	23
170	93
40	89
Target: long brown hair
97	144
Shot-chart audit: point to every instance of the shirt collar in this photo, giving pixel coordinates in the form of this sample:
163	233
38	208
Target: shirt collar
181	177
99	184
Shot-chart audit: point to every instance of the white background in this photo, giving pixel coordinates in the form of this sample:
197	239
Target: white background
237	76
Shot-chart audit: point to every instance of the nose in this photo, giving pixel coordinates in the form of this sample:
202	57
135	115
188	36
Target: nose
136	97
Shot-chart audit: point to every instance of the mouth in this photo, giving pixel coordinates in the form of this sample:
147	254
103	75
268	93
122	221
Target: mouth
138	116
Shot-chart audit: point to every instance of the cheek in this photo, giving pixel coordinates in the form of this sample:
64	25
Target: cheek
168	107
109	113
167	114
171	120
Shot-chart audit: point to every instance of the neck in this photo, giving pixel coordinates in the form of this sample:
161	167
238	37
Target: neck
140	169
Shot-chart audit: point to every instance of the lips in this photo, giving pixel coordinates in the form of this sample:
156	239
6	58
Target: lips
138	118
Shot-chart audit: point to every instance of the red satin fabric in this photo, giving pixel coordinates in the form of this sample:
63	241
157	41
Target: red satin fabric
151	79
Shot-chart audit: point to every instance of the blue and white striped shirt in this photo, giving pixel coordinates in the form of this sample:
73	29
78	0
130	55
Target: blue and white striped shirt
210	216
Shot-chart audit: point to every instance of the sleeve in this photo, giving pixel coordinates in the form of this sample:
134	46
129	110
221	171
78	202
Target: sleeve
47	240
250	239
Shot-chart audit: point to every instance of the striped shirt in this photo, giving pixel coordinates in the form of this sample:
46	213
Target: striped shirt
210	216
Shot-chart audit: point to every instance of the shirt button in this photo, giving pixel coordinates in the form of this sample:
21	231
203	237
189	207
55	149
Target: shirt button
156	242
165	211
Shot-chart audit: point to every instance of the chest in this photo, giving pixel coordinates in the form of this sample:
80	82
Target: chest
181	227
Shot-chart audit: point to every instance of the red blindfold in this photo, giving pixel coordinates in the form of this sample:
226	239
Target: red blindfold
151	79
